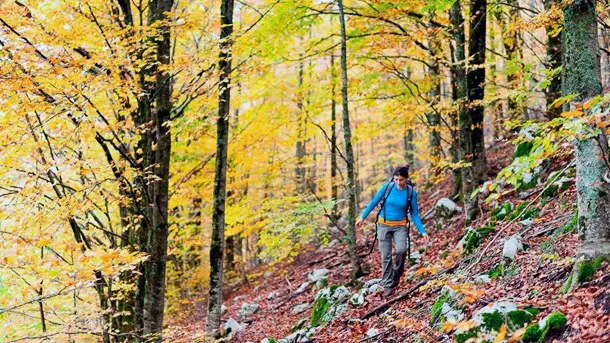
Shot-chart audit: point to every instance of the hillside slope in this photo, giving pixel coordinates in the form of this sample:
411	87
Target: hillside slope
531	281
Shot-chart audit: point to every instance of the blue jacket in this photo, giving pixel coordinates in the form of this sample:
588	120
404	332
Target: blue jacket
395	206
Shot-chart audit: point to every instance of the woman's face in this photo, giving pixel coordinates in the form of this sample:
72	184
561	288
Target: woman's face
401	181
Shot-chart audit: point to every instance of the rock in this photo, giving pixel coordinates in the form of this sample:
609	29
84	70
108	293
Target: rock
299	325
300	308
482	279
267	274
511	246
321	283
295	336
357	299
451	314
318	274
485	189
374	288
223	309
445	207
501	306
231	327
460	244
272	295
372	332
371	282
247	309
330	302
528	131
527	222
303	287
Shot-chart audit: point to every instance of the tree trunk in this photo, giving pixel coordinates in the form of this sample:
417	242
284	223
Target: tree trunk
512	41
582	76
154	301
457	76
349	152
553	52
334	187
434	116
300	141
471	120
464	118
222	142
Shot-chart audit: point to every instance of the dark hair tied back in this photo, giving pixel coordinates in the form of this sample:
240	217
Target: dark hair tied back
402	171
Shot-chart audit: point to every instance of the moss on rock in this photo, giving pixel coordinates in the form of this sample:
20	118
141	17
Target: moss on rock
319	308
532	334
493	321
462	337
519	318
523	149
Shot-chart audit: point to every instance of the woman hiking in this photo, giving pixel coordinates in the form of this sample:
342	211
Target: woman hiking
397	198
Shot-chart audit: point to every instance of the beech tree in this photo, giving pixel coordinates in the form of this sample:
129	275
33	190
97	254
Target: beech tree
582	79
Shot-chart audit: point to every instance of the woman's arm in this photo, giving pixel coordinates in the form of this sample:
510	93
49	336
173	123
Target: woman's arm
374	202
415	214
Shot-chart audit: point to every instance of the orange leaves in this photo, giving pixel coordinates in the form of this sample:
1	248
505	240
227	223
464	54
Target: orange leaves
500	337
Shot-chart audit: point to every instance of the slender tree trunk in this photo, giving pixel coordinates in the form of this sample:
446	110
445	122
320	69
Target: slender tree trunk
582	76
553	52
222	142
434	116
512	41
300	141
457	77
409	147
349	152
334	187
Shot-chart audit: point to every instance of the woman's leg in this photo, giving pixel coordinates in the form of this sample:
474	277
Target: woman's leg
400	243
384	235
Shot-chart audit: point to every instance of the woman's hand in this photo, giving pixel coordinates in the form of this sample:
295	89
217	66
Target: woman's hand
359	222
425	238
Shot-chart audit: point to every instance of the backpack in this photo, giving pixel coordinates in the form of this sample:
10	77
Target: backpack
388	189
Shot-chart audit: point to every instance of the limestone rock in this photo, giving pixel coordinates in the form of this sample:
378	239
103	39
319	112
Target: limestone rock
511	246
445	207
303	287
501	306
372	332
318	274
247	310
231	327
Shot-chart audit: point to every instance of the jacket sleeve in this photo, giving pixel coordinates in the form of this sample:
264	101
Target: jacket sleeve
374	202
415	214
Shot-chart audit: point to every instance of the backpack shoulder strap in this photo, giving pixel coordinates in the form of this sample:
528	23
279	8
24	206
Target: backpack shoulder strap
388	189
410	191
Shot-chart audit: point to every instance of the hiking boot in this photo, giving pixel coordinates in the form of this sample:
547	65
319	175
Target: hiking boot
387	292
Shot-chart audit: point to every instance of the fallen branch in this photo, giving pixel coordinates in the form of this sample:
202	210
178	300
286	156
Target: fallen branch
323	258
542	232
407	293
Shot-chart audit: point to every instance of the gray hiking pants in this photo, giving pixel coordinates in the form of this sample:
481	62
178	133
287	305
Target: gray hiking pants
391	272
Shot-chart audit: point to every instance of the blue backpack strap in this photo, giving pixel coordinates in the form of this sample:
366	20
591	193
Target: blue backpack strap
388	189
407	212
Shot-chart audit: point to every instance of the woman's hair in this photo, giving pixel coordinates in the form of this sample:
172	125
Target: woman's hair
402	171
